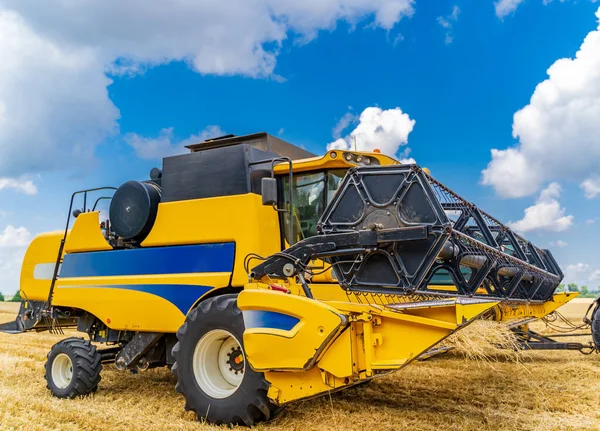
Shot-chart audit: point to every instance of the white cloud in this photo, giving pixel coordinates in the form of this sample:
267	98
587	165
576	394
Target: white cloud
590	221
559	125
591	186
164	145
343	124
399	38
447	22
54	98
581	273
559	243
510	174
386	130
506	7
13	243
14	236
404	157
23	186
11	260
546	214
578	267
54	103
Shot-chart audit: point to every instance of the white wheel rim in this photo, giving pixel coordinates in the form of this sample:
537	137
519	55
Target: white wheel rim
219	363
62	370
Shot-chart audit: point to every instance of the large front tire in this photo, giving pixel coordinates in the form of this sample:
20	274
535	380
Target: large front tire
210	364
596	327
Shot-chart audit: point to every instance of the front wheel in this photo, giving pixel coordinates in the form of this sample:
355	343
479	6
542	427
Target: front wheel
596	327
210	364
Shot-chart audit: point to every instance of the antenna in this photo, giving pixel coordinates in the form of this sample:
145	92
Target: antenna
354	142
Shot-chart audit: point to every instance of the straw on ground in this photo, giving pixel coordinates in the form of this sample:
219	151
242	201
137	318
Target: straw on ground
539	391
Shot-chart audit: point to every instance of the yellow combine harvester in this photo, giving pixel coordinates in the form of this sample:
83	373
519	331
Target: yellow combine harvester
263	275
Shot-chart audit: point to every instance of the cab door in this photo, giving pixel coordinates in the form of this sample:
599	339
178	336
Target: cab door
311	193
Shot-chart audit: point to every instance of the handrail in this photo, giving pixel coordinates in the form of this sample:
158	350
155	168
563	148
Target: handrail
64	238
100	199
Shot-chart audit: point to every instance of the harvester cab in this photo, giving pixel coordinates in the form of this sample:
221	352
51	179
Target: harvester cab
262	274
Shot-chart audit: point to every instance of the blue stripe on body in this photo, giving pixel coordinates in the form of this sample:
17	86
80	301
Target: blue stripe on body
268	319
183	296
150	261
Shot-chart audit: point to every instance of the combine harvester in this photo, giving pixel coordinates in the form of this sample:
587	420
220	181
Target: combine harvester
263	275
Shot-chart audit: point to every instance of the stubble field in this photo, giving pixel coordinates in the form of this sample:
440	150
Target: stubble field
529	391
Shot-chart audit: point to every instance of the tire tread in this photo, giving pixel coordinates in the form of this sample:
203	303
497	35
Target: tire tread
87	365
257	408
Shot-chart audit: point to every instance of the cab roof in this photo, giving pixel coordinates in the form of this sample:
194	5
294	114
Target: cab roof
262	141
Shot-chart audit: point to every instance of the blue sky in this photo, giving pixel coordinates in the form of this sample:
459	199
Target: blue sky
94	94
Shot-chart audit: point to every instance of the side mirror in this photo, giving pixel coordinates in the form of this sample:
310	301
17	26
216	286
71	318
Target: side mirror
269	191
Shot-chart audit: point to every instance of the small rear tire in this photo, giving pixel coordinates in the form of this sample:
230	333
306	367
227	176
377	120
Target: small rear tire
73	368
211	368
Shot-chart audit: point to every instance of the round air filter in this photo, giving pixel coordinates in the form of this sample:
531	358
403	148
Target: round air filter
133	209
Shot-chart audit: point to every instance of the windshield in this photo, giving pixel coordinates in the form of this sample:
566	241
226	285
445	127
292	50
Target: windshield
312	191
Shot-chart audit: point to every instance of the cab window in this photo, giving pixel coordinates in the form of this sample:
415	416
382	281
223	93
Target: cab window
311	191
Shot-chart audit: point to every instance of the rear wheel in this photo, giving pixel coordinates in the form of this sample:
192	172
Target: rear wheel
210	364
73	368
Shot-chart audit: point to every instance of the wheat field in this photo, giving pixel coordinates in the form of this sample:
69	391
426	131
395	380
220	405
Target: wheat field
528	391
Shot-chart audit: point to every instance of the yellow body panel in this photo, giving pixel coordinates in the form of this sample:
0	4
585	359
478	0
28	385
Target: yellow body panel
286	386
331	160
369	339
150	313
338	359
504	311
42	251
145	302
510	311
86	234
241	219
123	309
314	326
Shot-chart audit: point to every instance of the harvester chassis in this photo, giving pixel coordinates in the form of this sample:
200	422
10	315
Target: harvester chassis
386	233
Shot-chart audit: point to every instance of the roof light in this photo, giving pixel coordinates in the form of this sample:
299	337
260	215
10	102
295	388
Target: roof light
377	150
333	155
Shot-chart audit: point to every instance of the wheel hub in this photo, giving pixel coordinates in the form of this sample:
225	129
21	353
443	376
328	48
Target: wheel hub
218	363
62	370
236	360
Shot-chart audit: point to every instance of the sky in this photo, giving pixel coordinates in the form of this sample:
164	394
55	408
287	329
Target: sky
499	99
